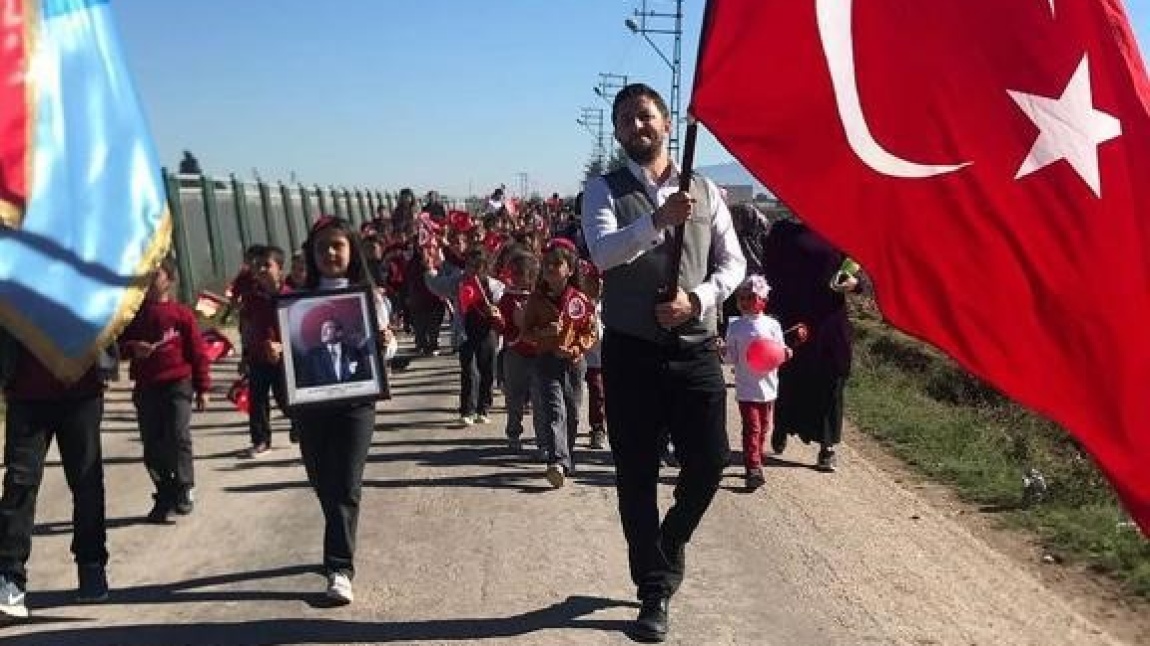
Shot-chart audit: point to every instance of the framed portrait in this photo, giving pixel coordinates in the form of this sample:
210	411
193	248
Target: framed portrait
331	349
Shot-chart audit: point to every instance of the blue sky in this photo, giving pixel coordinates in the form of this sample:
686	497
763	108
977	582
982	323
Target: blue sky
458	95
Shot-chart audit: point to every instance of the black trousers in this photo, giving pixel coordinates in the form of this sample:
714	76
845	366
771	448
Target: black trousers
164	414
652	391
264	378
334	443
476	374
426	319
29	429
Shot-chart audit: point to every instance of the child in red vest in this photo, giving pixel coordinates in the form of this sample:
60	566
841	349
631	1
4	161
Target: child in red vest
561	320
171	369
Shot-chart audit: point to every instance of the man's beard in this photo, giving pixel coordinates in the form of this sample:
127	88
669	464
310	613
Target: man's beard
642	153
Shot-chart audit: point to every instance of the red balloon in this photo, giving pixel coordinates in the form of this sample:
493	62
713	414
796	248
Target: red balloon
765	355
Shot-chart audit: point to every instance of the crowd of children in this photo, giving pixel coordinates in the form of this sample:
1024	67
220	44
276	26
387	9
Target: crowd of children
524	306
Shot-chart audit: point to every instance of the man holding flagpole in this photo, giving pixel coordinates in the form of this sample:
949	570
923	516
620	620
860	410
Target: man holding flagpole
661	372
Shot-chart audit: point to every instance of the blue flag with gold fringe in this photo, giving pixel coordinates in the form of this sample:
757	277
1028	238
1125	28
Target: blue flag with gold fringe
82	204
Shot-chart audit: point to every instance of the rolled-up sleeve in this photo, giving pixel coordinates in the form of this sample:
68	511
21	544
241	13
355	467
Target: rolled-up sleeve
609	245
728	266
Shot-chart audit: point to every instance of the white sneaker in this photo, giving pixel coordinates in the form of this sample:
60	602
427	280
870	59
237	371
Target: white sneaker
467	420
12	599
339	588
556	475
482	419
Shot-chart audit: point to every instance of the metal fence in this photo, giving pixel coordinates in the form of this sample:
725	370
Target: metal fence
216	219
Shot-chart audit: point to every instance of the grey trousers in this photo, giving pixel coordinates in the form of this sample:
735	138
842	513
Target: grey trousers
164	414
518	388
556	403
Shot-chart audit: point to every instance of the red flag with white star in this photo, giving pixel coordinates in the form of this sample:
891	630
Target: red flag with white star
988	162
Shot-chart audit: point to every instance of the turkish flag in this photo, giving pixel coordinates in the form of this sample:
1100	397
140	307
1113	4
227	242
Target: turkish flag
988	162
471	294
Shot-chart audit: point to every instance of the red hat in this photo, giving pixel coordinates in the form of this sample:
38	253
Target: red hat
325	221
562	242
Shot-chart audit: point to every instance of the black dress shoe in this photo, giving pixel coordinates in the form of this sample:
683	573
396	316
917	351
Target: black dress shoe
827	462
778	443
652	624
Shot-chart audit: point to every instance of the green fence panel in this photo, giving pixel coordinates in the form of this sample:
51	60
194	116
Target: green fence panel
291	208
243	221
231	241
275	217
322	201
215	235
254	214
310	206
180	245
198	270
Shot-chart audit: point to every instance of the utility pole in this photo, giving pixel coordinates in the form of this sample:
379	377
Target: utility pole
649	23
594	121
609	86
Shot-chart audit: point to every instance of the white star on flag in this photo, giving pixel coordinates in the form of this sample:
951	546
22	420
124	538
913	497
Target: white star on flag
1069	128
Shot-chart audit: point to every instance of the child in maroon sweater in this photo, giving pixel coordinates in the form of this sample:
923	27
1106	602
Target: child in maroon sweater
170	368
263	348
519	354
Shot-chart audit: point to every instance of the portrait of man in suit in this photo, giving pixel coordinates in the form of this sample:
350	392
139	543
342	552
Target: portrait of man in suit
336	359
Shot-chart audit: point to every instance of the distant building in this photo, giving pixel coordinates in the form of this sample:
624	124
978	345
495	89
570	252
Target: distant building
739	193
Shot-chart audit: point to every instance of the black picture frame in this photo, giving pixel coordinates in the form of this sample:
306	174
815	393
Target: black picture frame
331	348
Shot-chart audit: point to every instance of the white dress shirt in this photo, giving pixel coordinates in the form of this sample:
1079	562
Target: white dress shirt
611	246
333	349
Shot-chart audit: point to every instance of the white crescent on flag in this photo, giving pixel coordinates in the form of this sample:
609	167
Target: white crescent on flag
837	35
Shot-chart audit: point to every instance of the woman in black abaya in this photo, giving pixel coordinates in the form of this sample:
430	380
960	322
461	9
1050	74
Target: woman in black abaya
800	265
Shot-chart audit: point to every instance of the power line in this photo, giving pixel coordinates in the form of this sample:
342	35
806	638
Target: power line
647	24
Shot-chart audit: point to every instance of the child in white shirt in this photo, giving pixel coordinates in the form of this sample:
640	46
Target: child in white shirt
755	345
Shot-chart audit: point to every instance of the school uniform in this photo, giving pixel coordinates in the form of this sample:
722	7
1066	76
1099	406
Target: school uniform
477	353
334	441
166	384
559	394
518	362
265	374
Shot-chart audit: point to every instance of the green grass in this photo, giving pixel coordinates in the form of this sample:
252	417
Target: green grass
957	431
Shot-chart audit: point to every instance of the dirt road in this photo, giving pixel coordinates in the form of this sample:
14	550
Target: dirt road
462	542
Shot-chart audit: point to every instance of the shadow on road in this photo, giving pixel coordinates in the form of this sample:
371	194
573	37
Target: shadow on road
566	615
188	592
65	526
